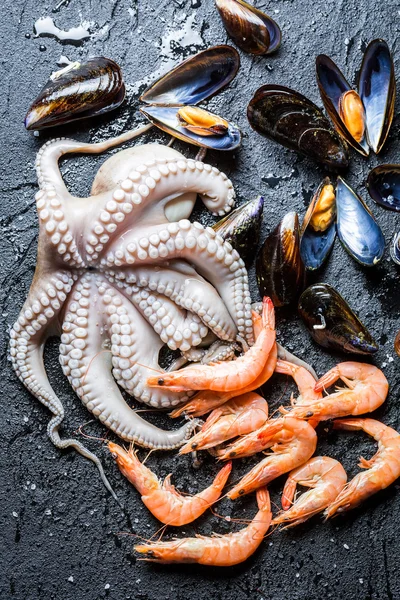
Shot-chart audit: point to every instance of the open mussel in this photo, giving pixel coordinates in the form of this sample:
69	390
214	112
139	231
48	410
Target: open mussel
362	118
241	228
383	184
292	120
318	230
195	79
251	29
78	91
395	248
331	322
279	268
357	229
171	101
195	126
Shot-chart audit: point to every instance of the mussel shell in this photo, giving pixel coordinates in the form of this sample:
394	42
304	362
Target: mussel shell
241	228
279	268
252	30
332	85
315	245
395	248
397	343
289	118
357	229
331	322
383	184
377	89
165	117
195	79
85	90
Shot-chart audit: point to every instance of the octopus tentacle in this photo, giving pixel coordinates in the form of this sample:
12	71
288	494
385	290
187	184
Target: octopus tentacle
187	289
215	260
55	203
87	362
176	327
37	320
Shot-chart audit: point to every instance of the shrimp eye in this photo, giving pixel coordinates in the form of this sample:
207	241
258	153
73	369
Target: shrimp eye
161	382
241	492
309	414
232	454
194	445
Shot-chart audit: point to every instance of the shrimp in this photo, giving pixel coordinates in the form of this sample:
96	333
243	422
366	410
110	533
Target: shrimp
239	416
226	376
292	447
217	551
163	500
366	390
207	401
383	467
325	476
304	381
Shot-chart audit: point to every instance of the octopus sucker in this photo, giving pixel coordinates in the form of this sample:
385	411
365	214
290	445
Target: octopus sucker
130	273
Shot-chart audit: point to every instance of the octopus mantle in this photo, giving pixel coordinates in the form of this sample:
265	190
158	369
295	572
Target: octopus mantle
121	273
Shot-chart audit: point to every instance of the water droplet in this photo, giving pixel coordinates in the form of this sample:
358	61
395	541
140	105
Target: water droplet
42	48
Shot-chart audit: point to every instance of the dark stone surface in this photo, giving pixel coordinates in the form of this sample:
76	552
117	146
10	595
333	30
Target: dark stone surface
62	532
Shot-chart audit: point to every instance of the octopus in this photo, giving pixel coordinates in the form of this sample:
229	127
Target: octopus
121	274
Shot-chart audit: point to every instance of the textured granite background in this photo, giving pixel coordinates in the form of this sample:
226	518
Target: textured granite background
64	536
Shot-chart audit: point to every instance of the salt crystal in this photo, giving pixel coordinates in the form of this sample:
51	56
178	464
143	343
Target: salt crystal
15	514
346	546
107	586
71	579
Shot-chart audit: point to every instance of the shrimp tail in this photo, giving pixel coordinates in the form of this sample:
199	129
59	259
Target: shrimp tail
288	493
268	313
327	380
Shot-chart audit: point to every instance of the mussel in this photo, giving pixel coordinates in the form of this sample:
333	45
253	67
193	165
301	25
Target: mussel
292	120
397	343
169	119
331	322
318	230
78	91
241	228
362	118
195	79
279	268
357	229
383	184
252	30
395	248
171	100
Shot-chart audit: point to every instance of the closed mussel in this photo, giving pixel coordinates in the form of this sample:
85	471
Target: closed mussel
195	79
357	229
289	118
251	29
318	231
279	268
362	118
331	322
241	228
78	91
384	186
